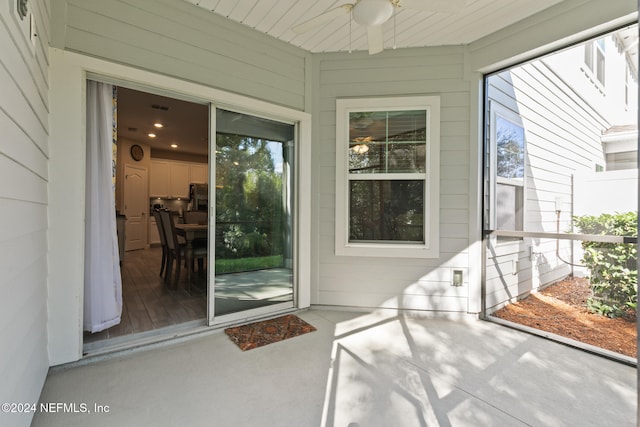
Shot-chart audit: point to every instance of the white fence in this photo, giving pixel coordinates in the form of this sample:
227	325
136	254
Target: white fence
596	193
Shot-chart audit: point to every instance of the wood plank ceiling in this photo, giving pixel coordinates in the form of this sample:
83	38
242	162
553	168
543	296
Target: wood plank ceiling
413	28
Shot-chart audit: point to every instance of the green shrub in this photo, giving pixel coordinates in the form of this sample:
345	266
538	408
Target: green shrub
613	266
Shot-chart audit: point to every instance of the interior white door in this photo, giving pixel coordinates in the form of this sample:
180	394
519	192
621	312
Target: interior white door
136	207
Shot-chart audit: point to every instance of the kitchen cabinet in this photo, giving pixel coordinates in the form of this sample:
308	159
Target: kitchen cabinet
199	173
159	180
169	179
179	182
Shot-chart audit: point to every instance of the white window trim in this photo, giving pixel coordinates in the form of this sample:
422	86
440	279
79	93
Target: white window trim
591	68
428	249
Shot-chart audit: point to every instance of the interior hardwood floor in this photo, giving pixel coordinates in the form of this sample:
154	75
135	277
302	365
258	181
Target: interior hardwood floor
147	302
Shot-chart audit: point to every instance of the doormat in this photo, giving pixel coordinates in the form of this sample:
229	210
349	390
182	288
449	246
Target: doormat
259	334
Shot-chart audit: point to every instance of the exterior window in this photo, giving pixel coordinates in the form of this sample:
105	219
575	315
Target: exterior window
509	150
594	58
508	142
387	186
588	55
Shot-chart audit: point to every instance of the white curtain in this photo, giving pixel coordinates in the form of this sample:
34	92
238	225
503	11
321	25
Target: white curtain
102	281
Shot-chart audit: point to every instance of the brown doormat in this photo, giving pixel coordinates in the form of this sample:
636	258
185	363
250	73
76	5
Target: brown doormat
258	334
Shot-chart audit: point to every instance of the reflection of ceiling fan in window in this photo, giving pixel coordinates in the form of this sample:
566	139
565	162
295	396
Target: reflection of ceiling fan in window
373	13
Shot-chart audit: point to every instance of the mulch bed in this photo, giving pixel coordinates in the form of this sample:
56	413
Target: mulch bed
562	309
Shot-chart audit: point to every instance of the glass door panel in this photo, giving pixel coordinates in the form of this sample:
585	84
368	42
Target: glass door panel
254	196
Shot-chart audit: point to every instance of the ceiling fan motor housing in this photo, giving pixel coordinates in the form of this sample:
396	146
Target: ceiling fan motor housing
372	12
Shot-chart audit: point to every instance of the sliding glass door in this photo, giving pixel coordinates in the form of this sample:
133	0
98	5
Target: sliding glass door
254	203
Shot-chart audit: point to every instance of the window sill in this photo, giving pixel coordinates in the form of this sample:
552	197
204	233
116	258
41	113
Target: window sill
387	250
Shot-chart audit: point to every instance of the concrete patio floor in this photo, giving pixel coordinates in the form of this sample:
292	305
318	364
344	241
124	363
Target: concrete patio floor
356	370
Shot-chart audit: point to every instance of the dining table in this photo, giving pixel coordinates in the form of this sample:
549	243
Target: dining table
191	232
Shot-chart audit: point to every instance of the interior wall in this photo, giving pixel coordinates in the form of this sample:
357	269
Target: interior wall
24	163
183	157
416	284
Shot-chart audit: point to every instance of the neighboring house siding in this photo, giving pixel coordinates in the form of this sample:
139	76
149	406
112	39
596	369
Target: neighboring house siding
419	284
179	39
24	117
607	98
562	134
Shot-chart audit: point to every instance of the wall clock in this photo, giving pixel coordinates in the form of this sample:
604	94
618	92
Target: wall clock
137	152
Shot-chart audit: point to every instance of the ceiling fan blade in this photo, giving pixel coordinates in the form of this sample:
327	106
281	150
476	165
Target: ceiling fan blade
448	6
322	19
375	39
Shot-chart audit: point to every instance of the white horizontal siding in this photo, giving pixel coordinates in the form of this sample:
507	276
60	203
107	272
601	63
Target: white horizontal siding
31	188
178	39
19	145
24	117
20	94
396	283
562	133
508	274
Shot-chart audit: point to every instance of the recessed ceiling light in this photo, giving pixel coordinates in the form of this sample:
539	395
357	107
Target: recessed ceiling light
152	135
174	145
158	125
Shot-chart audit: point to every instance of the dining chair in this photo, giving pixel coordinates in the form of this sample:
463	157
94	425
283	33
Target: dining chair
195	217
163	240
176	251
